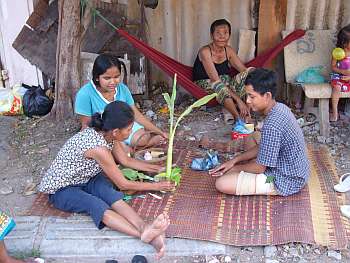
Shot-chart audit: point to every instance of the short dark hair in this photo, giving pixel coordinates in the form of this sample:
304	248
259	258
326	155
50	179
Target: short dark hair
220	22
116	115
343	37
102	63
262	80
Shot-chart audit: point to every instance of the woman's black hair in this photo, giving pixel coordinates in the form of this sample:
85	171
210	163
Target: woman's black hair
102	63
262	80
117	115
343	37
220	22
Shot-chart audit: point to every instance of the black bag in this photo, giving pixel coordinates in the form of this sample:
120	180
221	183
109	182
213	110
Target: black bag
35	101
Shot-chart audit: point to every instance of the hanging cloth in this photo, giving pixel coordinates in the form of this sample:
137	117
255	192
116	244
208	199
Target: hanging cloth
184	72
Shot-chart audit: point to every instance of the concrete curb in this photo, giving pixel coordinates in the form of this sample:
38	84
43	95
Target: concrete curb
76	239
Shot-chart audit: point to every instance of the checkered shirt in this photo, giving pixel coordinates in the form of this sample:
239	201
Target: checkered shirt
282	150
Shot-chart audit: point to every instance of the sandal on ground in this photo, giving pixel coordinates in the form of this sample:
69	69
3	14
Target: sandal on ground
34	260
345	210
344	183
228	118
139	259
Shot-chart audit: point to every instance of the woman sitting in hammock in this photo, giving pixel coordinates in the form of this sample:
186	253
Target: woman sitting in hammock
212	68
106	87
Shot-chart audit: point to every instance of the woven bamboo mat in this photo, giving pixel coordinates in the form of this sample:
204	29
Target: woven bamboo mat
198	211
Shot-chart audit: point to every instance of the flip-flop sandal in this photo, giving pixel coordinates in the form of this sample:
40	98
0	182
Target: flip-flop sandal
139	259
344	183
345	210
228	118
34	260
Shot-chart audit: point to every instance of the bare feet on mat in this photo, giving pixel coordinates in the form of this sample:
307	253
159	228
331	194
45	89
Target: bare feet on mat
156	228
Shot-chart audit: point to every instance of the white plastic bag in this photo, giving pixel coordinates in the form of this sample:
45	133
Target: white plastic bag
11	100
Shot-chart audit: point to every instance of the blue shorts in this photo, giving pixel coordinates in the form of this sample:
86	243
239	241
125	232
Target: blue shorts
93	198
135	128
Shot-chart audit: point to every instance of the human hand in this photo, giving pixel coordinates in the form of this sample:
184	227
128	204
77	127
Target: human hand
165	135
222	169
165	186
160	168
243	108
345	77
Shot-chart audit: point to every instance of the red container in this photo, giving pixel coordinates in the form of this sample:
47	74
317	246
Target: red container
235	135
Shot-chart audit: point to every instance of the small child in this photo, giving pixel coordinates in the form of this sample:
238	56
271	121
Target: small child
340	77
277	163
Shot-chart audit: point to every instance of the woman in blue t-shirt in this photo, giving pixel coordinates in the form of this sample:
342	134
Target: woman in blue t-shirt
106	87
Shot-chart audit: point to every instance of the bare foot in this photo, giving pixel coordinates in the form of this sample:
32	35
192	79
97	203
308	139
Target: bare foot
159	244
156	228
156	140
333	117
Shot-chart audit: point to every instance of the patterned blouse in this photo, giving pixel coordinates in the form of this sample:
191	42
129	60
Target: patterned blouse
70	166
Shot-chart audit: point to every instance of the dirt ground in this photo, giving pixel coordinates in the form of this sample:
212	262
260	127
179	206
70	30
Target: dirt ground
29	145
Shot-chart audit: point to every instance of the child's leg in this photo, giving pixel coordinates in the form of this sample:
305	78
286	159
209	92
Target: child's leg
335	99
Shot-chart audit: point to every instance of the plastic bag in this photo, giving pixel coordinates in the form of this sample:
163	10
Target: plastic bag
311	75
210	161
35	101
11	100
240	127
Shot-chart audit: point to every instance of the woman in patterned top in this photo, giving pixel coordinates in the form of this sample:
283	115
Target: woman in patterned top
81	177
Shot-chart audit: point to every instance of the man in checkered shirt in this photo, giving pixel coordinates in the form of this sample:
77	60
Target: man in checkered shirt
276	163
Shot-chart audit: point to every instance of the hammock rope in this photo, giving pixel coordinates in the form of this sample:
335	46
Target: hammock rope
184	72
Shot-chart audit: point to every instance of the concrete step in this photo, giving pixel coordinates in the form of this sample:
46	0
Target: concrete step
76	239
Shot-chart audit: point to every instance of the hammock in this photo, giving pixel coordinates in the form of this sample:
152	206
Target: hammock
184	72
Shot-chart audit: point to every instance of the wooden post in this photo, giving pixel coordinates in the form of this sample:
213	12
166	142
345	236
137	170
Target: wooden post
67	59
272	20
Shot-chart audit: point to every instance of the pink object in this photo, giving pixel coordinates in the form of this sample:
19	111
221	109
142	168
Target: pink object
344	63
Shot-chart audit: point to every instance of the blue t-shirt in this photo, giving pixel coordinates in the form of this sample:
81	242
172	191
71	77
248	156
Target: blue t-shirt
282	150
89	100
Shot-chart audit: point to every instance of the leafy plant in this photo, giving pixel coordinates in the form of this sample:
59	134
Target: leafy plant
134	175
174	174
269	179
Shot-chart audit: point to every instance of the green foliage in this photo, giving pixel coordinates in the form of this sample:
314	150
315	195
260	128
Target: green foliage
134	175
269	179
174	174
34	253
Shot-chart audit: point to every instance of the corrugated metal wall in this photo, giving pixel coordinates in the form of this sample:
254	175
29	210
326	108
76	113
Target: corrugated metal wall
181	27
317	14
